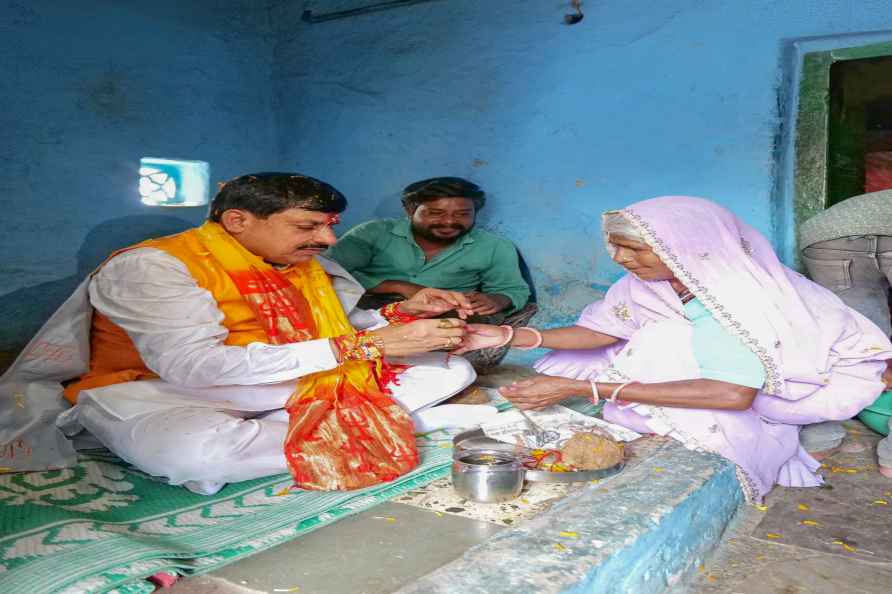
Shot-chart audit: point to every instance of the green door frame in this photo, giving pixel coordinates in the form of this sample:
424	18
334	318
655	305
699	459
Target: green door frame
813	126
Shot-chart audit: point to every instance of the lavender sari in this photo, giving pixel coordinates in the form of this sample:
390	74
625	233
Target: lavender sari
822	360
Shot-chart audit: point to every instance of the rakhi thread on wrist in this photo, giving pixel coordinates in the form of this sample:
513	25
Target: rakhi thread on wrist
362	346
394	315
536	344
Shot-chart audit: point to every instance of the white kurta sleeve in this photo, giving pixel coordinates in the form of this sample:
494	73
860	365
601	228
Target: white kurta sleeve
366	319
177	327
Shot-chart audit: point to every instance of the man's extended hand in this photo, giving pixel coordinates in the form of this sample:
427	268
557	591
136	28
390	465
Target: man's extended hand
421	336
430	302
485	304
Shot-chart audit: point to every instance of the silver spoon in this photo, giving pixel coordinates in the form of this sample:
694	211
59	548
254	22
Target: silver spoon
542	436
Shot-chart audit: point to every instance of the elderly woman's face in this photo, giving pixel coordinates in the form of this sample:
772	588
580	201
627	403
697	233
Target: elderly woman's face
638	258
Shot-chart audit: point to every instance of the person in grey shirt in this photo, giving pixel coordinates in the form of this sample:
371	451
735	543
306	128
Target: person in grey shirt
848	249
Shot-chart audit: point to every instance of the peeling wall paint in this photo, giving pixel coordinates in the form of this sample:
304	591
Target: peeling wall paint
87	89
556	122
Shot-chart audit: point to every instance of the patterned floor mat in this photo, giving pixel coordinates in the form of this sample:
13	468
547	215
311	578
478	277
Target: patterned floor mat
103	526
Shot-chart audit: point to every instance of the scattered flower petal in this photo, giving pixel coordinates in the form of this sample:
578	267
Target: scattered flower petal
846	546
702	569
849	548
388	518
658	470
284	491
761	508
773	535
293	589
810	523
439	514
803	507
838	469
880	502
569	534
560	547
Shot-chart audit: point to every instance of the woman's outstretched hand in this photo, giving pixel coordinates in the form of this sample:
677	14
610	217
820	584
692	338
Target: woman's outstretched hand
483	336
540	391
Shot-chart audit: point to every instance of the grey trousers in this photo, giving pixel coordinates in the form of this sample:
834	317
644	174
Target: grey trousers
858	270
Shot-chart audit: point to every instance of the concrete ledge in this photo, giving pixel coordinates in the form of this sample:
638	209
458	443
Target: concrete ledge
641	532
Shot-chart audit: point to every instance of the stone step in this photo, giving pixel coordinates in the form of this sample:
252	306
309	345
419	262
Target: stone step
642	531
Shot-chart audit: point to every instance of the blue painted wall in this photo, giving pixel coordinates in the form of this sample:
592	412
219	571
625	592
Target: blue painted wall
557	122
87	89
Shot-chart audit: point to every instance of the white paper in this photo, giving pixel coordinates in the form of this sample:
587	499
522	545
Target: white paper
559	423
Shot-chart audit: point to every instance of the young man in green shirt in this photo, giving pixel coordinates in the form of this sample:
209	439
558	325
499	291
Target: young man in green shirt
438	246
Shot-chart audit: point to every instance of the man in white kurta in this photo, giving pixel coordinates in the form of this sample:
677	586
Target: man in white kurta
215	413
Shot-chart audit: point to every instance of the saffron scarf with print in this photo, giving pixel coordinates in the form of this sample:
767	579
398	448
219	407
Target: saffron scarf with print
345	431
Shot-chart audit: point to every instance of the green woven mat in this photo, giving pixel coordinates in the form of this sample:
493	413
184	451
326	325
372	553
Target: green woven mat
103	526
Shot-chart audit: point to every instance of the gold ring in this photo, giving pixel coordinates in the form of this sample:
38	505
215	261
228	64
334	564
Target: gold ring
443	324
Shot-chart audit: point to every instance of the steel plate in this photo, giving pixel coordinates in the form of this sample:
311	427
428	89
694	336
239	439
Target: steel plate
476	439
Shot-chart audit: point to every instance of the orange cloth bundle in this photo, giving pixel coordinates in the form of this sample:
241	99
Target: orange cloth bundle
345	431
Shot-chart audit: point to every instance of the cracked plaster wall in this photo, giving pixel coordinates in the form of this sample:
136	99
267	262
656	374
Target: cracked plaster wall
88	88
558	123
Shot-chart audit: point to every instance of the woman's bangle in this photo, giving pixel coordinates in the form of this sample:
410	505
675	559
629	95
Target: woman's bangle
394	315
617	390
536	344
510	336
595	397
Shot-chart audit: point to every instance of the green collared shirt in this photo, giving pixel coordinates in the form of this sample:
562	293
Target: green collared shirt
385	249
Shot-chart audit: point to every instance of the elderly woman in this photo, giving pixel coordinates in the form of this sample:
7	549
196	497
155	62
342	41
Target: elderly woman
709	339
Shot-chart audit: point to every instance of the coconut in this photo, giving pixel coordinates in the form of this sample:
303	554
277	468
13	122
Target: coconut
591	451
